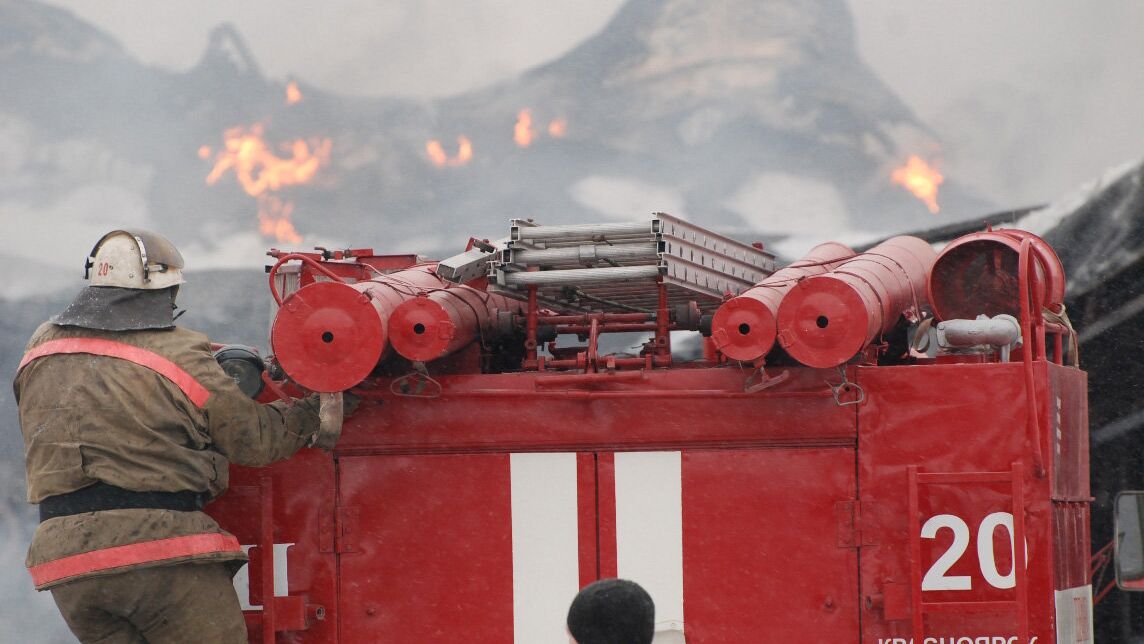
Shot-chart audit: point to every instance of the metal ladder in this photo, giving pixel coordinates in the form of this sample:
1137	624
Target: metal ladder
1020	604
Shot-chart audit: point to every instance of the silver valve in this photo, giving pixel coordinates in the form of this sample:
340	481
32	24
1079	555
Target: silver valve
1001	332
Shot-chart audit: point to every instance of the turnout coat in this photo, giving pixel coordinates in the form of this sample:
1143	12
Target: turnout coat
146	411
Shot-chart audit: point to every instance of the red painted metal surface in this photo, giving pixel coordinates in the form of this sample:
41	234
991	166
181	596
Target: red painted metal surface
662	409
445	320
976	274
606	562
771	514
328	336
752	571
432	561
587	518
827	319
744	327
351	265
301	517
897	433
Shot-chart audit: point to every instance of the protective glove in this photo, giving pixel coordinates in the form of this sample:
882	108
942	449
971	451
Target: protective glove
330	415
332	410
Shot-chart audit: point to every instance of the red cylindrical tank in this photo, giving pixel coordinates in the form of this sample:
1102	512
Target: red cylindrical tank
976	274
431	327
826	319
328	336
744	327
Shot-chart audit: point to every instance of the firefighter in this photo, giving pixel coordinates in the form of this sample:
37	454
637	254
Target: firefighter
611	611
129	425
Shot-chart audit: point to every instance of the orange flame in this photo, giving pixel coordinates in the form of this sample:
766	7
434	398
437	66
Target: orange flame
522	132
260	172
557	128
293	94
441	159
258	169
920	179
274	219
204	152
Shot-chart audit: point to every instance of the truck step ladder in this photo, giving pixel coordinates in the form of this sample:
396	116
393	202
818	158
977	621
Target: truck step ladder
1019	605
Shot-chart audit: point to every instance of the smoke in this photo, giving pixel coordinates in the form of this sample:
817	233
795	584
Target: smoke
1031	98
360	47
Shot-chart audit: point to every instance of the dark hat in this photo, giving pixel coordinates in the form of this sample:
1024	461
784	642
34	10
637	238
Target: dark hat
612	611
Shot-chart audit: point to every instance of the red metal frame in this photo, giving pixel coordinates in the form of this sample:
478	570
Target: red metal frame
1101	560
1020	604
266	546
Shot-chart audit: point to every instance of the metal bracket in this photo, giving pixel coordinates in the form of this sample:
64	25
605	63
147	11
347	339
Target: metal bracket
345	535
851	518
751	385
845	387
416	384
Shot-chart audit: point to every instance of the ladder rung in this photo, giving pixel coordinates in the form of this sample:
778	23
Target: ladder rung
968	607
1014	478
965	477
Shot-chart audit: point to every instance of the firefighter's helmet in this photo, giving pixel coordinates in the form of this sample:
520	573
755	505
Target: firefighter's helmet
138	259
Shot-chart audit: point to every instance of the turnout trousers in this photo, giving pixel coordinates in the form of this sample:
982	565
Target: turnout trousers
186	602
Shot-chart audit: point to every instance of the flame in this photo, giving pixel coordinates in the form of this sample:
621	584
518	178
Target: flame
920	179
260	172
258	169
441	159
274	219
205	152
522	132
293	94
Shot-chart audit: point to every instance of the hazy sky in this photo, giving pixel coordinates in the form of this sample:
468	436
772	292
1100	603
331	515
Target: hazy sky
1031	96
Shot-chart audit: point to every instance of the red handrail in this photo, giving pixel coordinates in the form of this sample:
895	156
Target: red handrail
305	260
1031	344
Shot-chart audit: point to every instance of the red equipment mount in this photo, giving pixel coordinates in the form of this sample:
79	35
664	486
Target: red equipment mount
826	319
936	493
746	326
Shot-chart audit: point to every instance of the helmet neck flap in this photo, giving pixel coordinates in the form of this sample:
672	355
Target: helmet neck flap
109	308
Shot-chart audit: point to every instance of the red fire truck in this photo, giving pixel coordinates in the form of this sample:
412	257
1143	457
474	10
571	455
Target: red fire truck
885	447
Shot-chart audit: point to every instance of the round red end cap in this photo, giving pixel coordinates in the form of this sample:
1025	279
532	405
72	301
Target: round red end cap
822	322
328	336
743	328
420	329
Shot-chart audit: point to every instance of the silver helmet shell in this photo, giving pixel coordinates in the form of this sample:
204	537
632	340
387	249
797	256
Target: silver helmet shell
136	259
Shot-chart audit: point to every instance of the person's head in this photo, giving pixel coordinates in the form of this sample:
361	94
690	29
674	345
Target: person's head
612	611
133	278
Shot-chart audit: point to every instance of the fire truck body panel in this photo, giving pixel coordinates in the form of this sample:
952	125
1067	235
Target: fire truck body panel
939	496
947	419
478	513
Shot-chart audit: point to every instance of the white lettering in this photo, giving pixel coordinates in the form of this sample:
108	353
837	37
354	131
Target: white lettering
985	551
958	639
936	578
